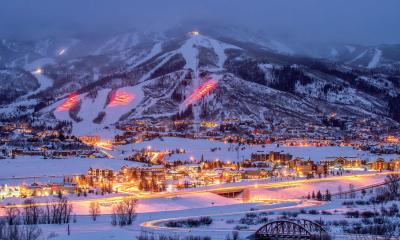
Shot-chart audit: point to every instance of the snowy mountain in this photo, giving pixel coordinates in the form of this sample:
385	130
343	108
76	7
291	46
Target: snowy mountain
15	83
192	75
371	57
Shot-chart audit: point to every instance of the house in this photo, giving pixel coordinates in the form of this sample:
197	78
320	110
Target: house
37	189
379	165
285	171
256	173
190	169
305	168
9	191
230	175
97	172
395	164
274	157
344	163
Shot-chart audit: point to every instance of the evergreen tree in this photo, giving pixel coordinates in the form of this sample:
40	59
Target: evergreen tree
319	196
313	195
328	195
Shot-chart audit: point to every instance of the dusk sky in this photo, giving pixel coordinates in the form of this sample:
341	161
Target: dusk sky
357	21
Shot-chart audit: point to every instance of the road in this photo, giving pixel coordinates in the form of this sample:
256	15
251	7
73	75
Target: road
215	189
158	224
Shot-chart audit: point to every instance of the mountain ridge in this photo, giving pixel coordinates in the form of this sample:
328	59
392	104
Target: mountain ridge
245	81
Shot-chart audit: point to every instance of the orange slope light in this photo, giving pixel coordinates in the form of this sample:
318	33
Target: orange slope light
201	91
71	101
121	98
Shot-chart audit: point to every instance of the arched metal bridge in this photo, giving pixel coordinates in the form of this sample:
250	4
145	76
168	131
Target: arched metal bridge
298	229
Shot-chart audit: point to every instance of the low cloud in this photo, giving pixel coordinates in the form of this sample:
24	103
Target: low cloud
355	21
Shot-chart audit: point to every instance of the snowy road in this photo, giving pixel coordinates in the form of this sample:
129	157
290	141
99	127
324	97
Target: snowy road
157	225
78	203
153	212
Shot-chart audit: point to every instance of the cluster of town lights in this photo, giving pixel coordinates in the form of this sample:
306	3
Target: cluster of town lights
106	145
392	139
194	33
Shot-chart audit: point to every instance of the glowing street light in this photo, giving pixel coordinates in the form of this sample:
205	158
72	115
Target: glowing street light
38	71
194	33
169	188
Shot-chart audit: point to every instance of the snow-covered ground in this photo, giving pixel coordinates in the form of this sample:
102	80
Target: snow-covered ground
190	52
226	222
359	56
350	48
91	107
118	43
211	150
188	202
197	147
44	81
225	212
375	59
31	166
302	190
85	228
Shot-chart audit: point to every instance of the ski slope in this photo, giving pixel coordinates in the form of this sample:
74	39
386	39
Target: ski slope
44	81
92	107
375	59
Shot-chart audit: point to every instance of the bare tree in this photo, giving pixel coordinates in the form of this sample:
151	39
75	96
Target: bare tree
118	212
130	209
19	232
47	214
340	191
387	235
30	232
113	217
12	215
392	185
61	211
31	213
386	229
94	210
124	213
351	190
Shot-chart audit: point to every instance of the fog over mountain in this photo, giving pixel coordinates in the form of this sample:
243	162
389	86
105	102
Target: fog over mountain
199	60
356	21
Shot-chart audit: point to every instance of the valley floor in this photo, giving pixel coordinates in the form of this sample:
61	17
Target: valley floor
225	212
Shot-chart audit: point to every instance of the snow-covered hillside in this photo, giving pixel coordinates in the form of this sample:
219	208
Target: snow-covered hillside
197	76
